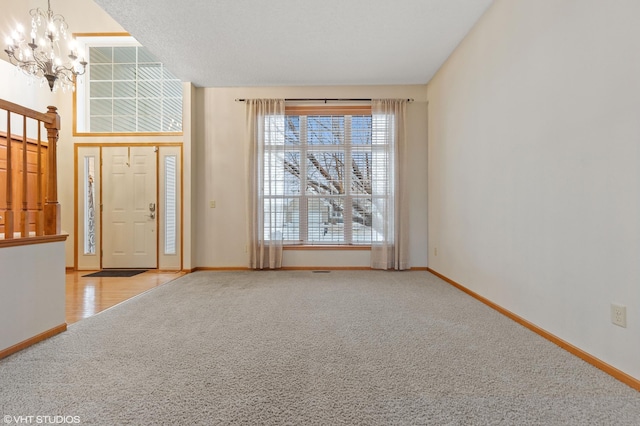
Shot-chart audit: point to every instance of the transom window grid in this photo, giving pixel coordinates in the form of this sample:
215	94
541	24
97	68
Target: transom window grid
327	198
126	90
130	91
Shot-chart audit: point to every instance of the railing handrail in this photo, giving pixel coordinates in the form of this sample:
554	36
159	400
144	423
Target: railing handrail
27	112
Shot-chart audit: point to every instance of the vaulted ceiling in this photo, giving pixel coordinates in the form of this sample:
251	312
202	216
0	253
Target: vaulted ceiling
214	43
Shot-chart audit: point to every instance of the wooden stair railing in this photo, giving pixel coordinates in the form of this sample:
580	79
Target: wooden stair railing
19	192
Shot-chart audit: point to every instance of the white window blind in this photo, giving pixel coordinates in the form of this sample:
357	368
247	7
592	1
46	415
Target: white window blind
170	205
323	185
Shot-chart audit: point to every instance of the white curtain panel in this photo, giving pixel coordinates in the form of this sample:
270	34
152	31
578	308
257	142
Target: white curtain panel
390	220
265	123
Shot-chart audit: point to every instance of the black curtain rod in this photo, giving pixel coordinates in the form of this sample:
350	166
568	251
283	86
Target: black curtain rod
325	100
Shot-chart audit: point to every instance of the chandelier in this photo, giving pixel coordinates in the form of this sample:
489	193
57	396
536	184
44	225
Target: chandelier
40	56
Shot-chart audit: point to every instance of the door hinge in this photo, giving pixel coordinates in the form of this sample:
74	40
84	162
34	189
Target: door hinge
155	149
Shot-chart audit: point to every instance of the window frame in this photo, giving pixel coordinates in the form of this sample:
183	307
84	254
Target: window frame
303	197
84	40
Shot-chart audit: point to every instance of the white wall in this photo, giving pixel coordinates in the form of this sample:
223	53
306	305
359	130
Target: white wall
14	87
33	299
534	168
221	237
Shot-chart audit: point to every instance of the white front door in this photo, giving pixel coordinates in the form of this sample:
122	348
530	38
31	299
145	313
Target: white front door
129	223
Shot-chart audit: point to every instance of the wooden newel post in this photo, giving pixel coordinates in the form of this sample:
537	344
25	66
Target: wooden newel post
52	211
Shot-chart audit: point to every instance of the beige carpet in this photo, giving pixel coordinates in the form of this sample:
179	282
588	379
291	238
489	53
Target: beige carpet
301	348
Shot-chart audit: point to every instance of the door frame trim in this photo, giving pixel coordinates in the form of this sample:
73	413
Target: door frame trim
101	145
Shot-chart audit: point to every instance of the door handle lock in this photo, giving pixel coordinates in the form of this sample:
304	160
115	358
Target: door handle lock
152	207
152	215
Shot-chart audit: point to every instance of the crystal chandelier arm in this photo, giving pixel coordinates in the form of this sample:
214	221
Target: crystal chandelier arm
40	55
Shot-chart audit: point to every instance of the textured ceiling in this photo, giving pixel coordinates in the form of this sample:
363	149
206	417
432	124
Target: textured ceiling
215	43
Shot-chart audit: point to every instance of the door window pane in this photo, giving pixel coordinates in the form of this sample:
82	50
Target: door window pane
89	205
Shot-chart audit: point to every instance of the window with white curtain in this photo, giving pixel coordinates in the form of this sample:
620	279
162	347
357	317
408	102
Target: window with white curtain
125	89
322	182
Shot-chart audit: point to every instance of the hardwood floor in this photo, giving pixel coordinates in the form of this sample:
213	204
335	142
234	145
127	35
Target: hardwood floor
86	296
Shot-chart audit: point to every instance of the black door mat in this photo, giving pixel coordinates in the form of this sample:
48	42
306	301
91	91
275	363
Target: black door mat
116	273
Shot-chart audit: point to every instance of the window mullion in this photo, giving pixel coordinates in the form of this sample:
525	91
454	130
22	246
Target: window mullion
113	101
304	222
347	214
137	81
161	84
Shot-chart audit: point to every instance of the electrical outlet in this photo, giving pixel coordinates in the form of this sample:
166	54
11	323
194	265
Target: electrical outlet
212	204
619	315
435	251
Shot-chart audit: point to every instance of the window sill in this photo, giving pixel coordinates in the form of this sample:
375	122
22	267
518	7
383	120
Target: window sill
325	247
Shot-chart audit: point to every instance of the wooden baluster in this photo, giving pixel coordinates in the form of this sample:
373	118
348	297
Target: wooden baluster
8	216
52	207
24	214
39	195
